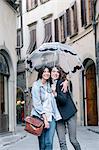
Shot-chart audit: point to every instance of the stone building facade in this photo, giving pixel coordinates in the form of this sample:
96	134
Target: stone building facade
71	22
8	63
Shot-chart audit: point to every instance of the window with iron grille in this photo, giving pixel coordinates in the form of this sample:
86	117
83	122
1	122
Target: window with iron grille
30	4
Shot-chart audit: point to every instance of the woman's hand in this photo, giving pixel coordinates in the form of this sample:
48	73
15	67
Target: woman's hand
45	121
46	124
64	86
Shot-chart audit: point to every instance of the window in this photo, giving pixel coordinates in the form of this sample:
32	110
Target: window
3	65
32	45
87	12
68	19
74	23
31	4
90	12
83	13
56	30
71	27
63	28
48	30
19	44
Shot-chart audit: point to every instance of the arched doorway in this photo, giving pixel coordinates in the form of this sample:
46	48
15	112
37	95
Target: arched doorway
20	102
4	110
90	94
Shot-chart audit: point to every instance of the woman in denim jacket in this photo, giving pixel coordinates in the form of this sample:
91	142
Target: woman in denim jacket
44	105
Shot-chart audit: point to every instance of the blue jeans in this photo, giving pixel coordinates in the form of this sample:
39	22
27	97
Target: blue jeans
46	138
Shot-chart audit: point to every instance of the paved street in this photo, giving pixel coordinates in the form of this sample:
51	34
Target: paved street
87	136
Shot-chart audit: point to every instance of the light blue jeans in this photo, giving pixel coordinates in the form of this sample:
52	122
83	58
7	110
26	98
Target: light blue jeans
46	138
61	131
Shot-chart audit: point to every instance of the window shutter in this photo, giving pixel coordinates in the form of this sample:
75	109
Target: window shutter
91	10
68	19
56	30
48	33
18	40
75	18
27	6
65	27
62	28
34	3
46	30
83	13
32	45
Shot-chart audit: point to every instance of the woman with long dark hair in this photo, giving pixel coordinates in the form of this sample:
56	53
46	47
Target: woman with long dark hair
66	108
44	105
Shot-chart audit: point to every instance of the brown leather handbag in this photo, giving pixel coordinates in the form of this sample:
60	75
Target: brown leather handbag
34	125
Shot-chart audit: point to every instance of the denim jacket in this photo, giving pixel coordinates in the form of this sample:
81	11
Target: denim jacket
44	101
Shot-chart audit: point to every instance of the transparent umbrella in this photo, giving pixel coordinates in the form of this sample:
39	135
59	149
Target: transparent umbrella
55	53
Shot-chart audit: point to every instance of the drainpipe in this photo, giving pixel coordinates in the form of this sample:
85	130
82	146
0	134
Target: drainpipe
95	33
95	22
21	19
96	52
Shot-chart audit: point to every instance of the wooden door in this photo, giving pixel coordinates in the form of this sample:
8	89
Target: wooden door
91	96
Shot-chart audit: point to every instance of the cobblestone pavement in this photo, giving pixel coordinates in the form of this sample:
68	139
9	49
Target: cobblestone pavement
21	140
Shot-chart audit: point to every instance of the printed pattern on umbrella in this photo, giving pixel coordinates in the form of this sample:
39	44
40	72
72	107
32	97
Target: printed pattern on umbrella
55	53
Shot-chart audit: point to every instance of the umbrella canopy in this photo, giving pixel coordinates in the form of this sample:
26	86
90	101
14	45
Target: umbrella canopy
55	53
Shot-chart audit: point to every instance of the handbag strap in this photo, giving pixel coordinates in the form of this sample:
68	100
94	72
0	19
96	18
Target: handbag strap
41	96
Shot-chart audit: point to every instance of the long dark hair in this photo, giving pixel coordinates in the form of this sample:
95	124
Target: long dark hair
41	70
62	74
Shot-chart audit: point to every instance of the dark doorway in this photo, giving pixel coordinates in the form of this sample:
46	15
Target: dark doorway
20	106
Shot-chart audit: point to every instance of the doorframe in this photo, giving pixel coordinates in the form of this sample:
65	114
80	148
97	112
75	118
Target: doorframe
10	87
87	62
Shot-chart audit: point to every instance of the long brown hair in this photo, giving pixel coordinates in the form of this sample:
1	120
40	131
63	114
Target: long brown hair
62	74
